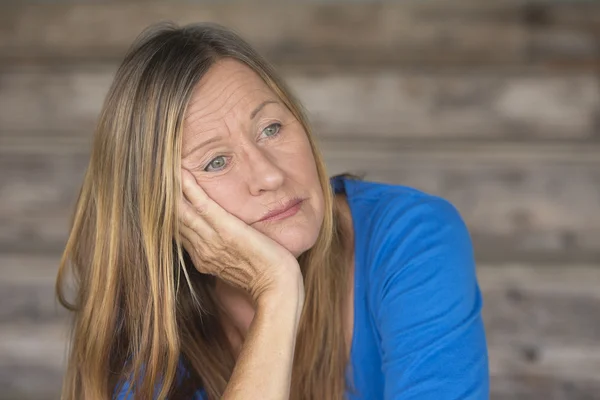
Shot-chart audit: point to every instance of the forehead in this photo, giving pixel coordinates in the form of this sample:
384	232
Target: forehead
228	87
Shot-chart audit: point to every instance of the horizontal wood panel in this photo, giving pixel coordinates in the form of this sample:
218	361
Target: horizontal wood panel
528	309
38	194
466	33
493	105
30	382
470	105
66	102
42	344
32	360
569	361
536	388
29	303
515	208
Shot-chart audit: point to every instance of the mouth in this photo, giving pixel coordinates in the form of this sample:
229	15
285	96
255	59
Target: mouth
289	209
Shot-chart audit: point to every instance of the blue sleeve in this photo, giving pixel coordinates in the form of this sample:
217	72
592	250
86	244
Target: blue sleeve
426	304
125	394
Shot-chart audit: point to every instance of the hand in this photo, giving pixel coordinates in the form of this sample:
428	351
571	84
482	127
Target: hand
220	244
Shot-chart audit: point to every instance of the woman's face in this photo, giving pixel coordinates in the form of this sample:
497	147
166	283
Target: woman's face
252	156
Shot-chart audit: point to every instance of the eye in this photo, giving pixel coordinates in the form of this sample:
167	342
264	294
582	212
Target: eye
216	164
272	130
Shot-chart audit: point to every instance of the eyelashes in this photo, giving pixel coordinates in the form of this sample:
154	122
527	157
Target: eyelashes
214	165
275	124
220	162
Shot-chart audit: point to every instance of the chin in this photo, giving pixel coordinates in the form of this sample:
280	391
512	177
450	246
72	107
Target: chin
297	239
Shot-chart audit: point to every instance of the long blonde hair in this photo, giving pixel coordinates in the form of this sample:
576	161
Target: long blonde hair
141	312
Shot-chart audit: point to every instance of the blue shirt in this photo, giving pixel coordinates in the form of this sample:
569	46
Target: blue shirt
418	331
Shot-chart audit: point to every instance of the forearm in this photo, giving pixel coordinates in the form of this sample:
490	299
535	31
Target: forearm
264	366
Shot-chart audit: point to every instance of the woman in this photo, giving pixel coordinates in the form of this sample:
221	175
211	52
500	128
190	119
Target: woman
214	258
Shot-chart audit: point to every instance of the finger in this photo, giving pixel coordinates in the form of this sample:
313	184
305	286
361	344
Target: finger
202	256
199	243
199	200
190	219
189	247
190	235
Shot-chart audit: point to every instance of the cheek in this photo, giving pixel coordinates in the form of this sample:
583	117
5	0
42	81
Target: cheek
301	168
297	159
226	192
310	179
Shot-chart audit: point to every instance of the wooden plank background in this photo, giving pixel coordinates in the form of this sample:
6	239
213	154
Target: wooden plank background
492	105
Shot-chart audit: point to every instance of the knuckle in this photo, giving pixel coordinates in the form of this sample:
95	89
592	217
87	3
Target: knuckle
185	217
201	209
226	238
215	246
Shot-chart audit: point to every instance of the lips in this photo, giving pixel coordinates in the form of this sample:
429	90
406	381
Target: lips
281	211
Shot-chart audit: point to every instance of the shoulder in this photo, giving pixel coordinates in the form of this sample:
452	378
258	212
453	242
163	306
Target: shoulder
422	294
385	197
407	236
403	215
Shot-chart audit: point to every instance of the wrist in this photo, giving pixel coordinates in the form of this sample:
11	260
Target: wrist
283	298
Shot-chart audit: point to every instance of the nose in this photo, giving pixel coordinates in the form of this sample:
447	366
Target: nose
264	173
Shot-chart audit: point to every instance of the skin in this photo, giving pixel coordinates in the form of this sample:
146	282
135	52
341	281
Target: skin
245	154
260	166
256	166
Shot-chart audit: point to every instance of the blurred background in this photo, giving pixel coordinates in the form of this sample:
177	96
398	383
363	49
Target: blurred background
494	105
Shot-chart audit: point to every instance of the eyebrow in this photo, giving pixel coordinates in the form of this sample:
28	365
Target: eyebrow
200	145
260	107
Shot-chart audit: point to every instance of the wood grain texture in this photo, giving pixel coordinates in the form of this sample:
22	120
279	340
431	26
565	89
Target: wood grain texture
540	320
55	102
349	34
494	106
536	388
32	360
